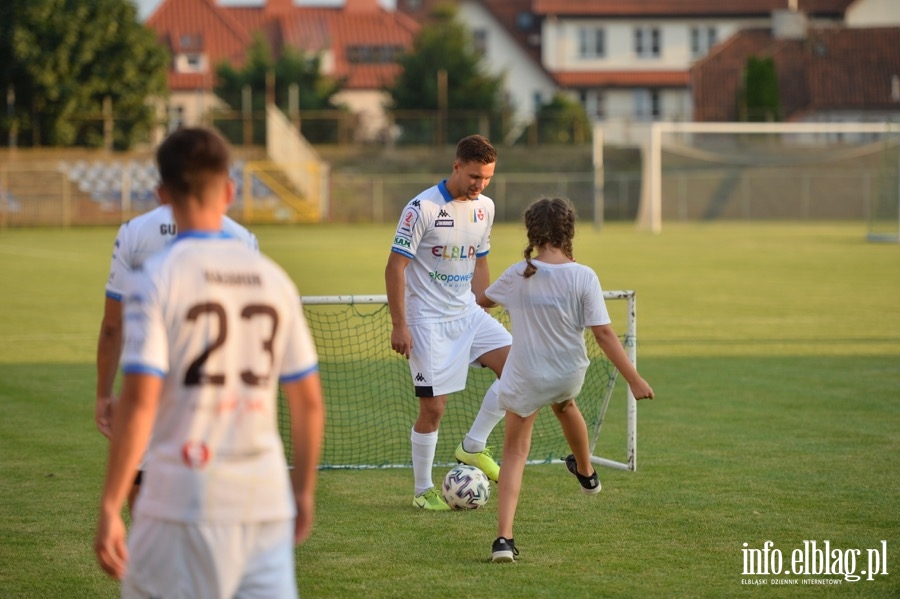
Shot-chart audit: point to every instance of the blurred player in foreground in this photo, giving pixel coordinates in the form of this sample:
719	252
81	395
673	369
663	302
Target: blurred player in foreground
211	328
136	240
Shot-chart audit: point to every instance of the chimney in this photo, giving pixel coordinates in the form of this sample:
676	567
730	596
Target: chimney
278	7
789	24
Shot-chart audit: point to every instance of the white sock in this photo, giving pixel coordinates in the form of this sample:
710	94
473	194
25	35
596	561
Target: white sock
488	417
423	448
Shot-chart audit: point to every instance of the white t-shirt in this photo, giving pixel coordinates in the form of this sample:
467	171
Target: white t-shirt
548	313
443	238
147	234
221	324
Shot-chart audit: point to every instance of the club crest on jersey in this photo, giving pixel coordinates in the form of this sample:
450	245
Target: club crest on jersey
477	215
195	454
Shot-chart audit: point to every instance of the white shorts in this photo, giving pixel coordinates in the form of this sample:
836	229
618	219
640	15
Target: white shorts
529	394
442	351
179	560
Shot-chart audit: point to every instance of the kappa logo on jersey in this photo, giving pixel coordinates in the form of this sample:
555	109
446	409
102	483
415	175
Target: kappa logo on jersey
443	219
456	252
195	454
477	215
420	378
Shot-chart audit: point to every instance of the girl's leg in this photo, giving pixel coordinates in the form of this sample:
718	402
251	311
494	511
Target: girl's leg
516	445
575	431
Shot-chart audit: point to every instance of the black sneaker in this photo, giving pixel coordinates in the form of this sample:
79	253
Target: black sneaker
589	484
504	550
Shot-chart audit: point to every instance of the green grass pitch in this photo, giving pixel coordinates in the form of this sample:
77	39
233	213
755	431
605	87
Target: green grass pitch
774	351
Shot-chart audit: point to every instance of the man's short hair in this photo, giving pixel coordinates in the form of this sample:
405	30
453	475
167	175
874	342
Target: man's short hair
188	159
475	148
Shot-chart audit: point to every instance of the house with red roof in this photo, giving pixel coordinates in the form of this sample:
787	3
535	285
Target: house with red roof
825	75
633	61
358	43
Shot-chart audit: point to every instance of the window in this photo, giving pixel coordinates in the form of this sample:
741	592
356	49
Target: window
373	54
591	43
479	41
646	104
190	63
702	39
599	105
191	41
524	21
647	42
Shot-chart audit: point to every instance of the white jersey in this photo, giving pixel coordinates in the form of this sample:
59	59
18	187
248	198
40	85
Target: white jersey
443	238
147	234
548	313
221	325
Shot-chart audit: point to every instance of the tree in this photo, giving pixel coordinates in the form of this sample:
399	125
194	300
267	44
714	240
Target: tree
444	46
293	67
62	58
761	95
563	120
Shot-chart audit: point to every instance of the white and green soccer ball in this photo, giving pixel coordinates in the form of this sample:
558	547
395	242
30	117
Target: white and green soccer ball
466	488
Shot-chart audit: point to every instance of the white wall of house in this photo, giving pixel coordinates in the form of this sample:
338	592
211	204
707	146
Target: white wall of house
368	106
873	13
679	41
525	82
188	108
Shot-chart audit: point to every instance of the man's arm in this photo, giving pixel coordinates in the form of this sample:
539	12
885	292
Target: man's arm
134	418
109	349
307	409
481	278
395	284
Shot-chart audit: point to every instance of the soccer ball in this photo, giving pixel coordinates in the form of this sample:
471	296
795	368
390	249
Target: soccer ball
466	488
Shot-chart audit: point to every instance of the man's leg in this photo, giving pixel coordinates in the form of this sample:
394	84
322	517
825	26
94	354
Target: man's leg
424	439
473	450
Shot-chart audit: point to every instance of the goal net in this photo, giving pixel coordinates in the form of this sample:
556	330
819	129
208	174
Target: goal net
772	171
370	406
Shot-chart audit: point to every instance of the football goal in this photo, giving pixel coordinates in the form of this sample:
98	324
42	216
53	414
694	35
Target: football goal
371	407
773	171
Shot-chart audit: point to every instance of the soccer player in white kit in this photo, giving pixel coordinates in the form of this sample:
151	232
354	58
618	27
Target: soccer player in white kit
211	328
136	240
550	299
437	260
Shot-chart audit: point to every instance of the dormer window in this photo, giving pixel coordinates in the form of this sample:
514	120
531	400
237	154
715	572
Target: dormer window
373	54
190	41
524	21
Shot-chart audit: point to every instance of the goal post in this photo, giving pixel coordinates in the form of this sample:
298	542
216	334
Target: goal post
770	171
370	406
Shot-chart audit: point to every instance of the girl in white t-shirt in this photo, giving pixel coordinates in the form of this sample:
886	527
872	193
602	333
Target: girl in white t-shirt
550	300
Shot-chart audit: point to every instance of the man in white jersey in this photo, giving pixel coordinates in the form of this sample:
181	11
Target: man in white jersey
438	259
211	327
136	240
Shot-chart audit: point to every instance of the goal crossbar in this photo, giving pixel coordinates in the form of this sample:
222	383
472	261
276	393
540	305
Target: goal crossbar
652	212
